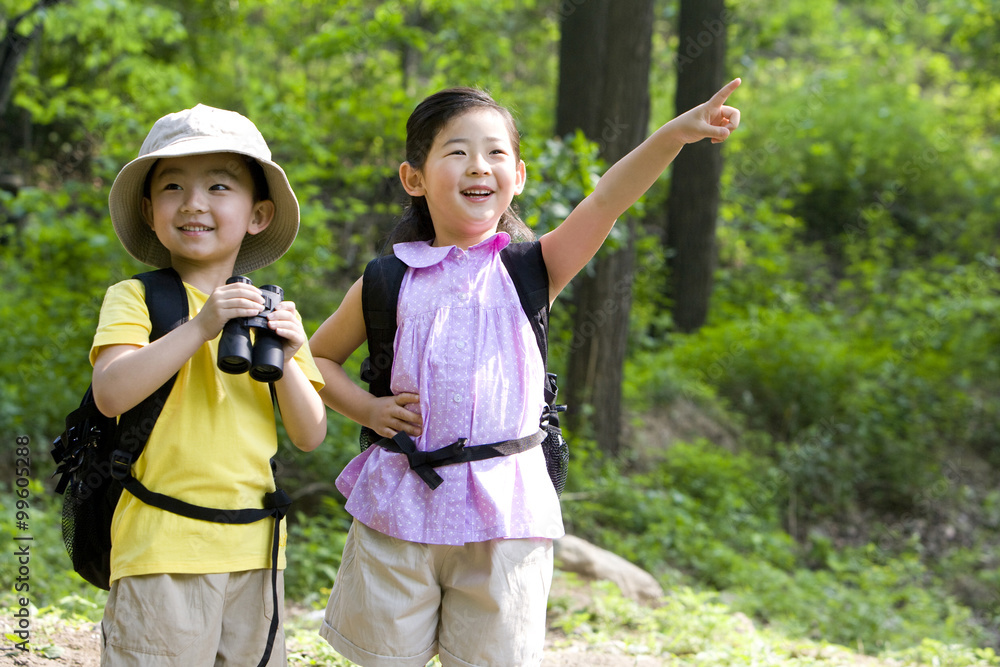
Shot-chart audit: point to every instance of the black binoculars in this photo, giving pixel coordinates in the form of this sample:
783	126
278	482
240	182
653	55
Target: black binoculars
265	358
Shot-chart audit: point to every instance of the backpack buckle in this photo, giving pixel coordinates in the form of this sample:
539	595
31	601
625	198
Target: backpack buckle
121	464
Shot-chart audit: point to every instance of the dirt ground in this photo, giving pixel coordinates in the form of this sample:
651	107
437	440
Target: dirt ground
60	644
55	644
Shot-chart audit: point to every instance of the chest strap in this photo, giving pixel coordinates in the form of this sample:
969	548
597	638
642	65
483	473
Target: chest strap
423	463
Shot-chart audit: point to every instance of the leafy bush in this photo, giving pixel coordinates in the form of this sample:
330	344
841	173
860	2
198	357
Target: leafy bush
51	580
828	137
713	515
693	627
859	410
56	270
315	545
701	510
884	605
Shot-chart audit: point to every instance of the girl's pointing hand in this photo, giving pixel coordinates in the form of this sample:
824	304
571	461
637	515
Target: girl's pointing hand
713	119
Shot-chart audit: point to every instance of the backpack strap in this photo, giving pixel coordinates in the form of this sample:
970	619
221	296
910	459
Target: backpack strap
167	303
526	267
379	296
423	463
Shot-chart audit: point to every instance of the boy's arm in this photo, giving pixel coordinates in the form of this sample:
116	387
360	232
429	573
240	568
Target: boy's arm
335	340
569	247
302	410
124	375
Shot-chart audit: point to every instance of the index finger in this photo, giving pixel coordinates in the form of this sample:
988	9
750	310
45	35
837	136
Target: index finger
720	97
406	398
244	290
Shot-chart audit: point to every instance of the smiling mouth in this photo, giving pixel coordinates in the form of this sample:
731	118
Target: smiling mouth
195	228
477	193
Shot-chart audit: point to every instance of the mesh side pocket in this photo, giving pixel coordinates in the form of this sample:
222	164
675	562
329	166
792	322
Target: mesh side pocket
88	508
556	451
70	512
368	438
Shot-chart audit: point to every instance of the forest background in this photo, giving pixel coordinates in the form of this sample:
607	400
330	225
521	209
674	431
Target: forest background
821	454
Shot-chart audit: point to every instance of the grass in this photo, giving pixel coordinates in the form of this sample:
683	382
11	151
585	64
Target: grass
694	628
591	621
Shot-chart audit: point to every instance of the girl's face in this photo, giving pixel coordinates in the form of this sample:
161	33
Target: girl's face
469	178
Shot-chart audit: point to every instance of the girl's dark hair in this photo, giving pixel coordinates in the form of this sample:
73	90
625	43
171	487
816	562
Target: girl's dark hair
423	126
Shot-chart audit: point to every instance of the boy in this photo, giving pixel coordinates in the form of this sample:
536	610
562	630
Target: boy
204	198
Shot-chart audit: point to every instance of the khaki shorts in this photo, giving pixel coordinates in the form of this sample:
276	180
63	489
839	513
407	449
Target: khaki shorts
400	603
191	620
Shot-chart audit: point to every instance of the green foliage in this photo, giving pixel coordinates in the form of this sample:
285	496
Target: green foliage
884	605
701	510
315	545
863	405
713	515
56	270
877	124
562	173
51	581
692	627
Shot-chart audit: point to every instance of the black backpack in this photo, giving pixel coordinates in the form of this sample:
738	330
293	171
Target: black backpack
379	296
94	456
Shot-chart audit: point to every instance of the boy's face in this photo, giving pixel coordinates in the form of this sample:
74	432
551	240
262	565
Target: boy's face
469	179
202	206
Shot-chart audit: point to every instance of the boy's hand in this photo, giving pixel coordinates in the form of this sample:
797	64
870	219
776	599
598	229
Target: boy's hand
225	303
712	119
390	414
285	322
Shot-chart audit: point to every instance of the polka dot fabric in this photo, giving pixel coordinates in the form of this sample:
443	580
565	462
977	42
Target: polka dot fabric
465	346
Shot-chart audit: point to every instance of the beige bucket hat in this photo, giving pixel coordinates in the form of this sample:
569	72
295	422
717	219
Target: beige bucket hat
199	131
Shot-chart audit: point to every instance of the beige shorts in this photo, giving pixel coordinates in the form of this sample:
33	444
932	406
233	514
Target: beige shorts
400	603
191	620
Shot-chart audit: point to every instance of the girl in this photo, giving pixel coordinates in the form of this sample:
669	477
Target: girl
463	570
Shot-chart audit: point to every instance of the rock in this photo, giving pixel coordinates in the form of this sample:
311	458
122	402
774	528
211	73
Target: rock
573	554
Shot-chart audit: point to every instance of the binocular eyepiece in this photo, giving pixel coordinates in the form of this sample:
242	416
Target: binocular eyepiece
265	358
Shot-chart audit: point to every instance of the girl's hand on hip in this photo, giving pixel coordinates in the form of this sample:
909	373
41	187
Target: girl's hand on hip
391	414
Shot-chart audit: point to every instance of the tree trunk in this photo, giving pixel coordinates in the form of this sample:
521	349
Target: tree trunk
693	204
581	67
13	47
604	90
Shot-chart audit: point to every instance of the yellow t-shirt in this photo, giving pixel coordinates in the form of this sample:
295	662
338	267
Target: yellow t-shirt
211	446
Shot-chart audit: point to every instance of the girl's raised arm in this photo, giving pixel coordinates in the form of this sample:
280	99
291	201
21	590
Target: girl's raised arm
569	247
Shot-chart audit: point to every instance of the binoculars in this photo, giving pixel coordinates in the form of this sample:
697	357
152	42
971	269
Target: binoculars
265	357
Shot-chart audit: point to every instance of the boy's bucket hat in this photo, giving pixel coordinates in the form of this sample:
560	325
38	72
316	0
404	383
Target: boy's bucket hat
199	131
